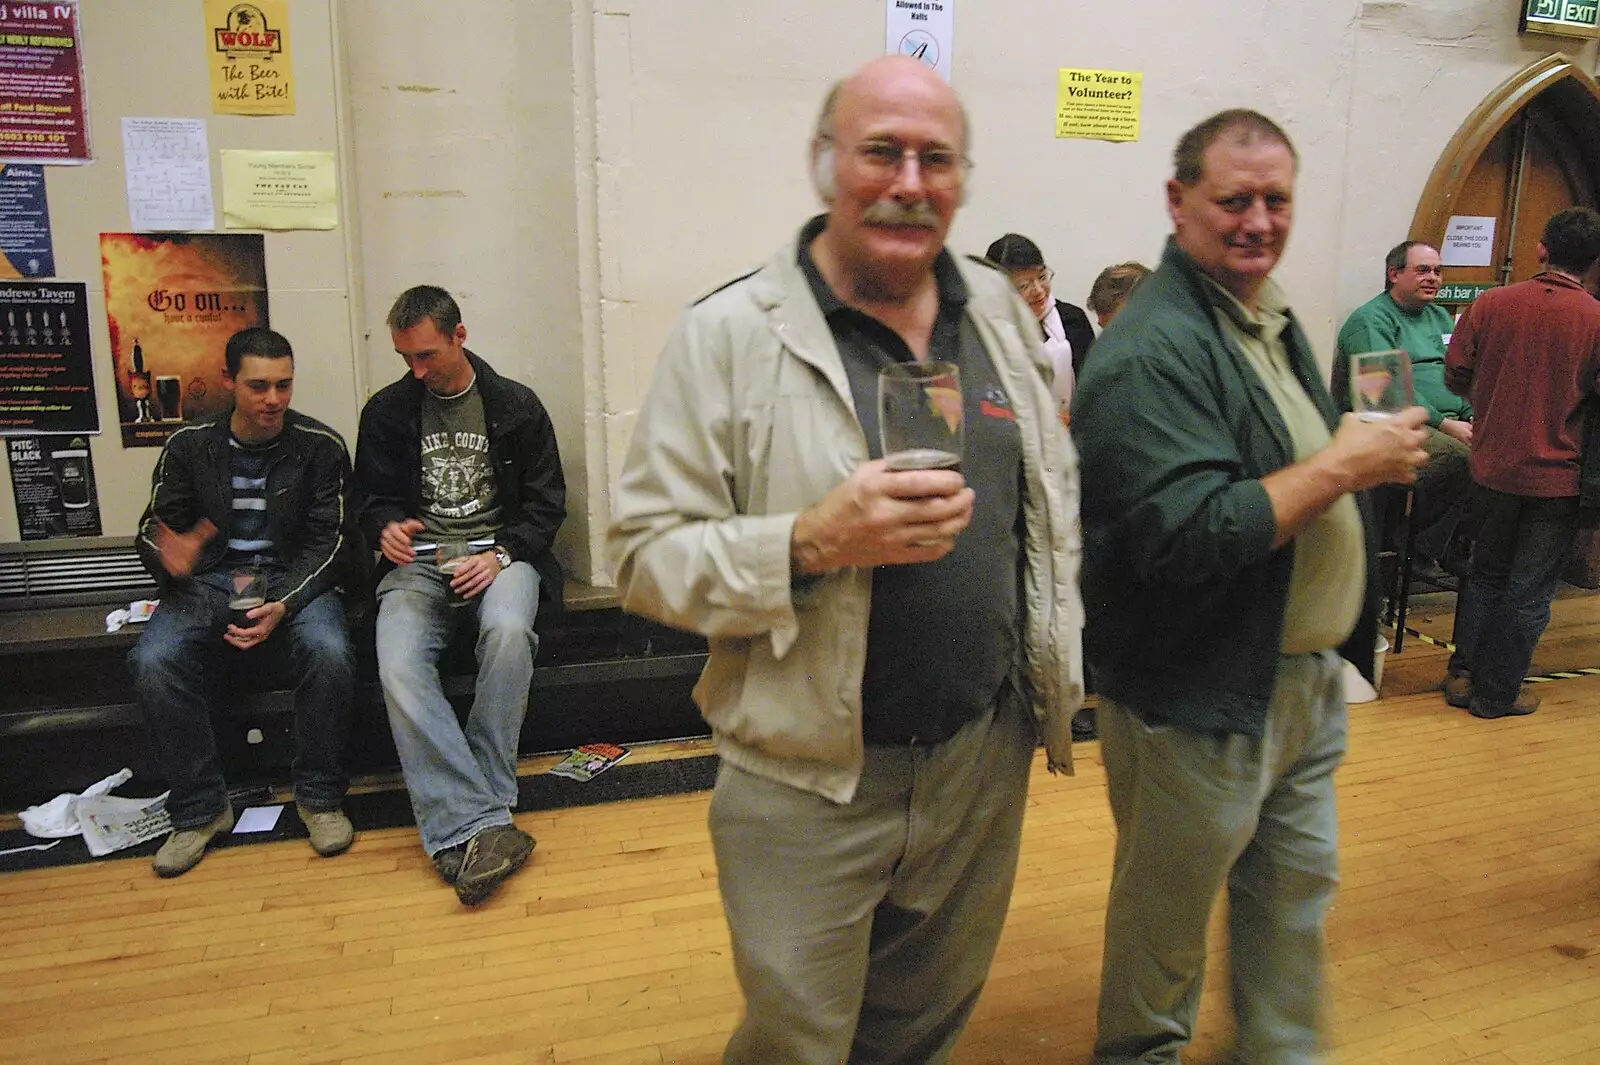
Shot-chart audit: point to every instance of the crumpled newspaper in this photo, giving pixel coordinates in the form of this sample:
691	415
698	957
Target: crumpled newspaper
136	611
107	822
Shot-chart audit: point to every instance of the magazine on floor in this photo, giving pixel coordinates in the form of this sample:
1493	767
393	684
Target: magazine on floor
589	761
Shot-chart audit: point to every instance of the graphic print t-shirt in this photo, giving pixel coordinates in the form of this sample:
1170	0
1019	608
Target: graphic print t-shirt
460	497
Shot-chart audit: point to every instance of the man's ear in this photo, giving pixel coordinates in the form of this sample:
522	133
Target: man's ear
460	335
1175	190
823	178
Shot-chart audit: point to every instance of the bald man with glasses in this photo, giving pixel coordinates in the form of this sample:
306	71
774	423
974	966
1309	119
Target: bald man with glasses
887	645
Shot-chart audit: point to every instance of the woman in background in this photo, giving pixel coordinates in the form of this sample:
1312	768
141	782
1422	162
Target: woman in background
1064	328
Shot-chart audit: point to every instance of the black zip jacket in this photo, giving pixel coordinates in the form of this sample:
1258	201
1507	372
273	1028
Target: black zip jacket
522	446
307	485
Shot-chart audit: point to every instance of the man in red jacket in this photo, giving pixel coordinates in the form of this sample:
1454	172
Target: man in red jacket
1527	356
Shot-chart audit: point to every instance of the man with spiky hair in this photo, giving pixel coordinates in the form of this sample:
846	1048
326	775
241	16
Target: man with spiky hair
262	487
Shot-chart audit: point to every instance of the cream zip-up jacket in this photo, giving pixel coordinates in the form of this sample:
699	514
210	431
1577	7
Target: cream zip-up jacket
749	421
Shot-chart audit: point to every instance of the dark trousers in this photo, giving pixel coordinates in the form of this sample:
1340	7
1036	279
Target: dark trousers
1521	546
1444	487
181	668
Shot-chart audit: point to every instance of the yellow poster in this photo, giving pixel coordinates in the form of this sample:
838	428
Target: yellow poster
251	71
1098	104
278	190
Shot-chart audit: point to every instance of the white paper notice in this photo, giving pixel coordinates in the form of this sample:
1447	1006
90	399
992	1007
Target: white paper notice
257	819
922	29
169	173
1468	241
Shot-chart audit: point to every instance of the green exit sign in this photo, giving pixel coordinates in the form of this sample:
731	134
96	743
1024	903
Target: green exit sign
1460	292
1565	18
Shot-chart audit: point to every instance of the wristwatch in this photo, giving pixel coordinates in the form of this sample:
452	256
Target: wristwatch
502	556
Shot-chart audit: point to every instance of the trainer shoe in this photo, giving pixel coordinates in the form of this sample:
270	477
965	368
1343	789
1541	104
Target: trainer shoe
1458	688
1526	703
330	830
447	863
186	846
492	855
1084	726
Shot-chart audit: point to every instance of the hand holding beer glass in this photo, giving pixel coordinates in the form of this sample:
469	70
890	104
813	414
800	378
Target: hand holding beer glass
449	557
1380	384
249	592
921	422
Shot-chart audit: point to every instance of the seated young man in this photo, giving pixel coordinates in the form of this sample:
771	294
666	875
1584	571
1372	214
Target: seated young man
255	496
455	456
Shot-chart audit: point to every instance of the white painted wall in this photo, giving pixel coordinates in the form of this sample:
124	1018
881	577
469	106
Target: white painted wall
464	130
576	171
706	110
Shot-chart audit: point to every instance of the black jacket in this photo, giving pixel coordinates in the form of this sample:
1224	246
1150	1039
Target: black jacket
522	446
1079	333
307	497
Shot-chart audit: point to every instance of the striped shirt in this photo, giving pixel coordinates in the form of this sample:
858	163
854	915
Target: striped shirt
249	538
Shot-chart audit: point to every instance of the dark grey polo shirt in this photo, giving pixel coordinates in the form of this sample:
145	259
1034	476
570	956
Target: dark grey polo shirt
943	635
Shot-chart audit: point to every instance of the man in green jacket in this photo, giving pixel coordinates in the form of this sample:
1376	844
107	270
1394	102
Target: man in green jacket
1225	560
1405	316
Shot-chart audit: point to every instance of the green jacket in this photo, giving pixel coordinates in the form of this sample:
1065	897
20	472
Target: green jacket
1183	590
1378	325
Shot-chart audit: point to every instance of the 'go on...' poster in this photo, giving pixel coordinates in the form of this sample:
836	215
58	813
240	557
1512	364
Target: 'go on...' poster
172	302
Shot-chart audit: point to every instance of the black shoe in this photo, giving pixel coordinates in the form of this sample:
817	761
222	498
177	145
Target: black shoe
1084	727
1526	703
492	855
447	863
1458	688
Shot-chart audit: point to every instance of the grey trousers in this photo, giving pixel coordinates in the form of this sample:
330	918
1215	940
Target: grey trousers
1195	810
864	932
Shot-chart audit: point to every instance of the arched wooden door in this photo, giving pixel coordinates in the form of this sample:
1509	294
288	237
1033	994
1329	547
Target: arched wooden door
1529	150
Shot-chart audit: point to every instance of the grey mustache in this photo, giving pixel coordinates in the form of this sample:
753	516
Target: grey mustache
894	213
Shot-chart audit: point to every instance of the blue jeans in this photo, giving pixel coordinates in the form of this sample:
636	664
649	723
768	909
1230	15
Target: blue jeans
1521	546
1196	811
181	668
461	780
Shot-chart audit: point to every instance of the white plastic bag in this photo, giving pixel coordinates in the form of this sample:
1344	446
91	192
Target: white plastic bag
58	818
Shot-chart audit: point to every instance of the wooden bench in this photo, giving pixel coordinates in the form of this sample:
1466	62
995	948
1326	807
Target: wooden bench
68	715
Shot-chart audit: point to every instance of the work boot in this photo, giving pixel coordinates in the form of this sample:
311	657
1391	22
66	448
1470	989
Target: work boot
186	846
1526	703
1458	688
330	830
447	863
492	855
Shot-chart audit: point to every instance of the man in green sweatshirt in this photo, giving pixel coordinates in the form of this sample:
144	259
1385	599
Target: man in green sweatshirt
1405	316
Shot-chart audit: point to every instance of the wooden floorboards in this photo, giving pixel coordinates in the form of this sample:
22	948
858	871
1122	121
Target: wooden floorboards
1467	928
